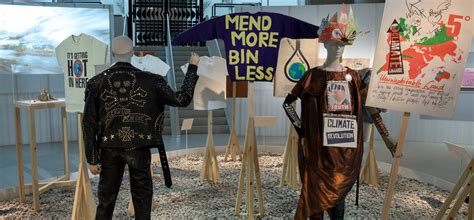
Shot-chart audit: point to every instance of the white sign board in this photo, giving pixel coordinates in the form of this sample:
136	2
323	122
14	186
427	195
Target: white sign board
187	124
421	53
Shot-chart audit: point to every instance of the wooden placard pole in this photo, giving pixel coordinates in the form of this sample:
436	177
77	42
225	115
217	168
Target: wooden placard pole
210	171
233	148
465	184
289	175
370	172
84	205
65	143
395	165
250	165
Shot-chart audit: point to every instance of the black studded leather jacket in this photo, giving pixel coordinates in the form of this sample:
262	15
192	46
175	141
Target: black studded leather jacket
124	108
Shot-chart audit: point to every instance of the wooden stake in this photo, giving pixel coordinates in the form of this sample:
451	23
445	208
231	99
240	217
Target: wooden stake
19	157
233	148
470	210
65	142
34	165
84	204
395	165
457	205
370	173
210	171
290	160
468	174
250	165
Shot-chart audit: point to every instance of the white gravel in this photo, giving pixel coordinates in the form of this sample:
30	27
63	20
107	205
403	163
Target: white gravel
190	198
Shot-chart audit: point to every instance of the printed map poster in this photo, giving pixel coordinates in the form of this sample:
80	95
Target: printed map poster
421	53
295	57
468	81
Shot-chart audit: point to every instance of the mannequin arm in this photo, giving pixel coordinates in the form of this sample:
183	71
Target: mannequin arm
183	97
292	115
375	113
90	124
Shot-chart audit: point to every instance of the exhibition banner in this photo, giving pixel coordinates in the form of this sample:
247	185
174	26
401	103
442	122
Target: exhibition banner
251	41
421	54
295	57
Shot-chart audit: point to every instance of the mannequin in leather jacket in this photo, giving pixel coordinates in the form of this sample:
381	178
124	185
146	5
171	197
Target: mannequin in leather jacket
123	119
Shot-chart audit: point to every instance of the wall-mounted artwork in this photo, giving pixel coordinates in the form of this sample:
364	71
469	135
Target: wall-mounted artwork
29	34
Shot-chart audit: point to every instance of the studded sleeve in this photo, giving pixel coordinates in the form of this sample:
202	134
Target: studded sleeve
90	123
181	98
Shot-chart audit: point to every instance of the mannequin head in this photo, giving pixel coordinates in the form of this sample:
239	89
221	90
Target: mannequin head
335	48
122	49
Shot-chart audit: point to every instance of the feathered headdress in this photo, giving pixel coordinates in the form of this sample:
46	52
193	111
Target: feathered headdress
343	29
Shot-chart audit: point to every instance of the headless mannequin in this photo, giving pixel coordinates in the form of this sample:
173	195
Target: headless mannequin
122	49
332	63
335	49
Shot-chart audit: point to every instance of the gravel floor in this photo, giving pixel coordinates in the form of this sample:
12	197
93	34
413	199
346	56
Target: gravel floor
190	198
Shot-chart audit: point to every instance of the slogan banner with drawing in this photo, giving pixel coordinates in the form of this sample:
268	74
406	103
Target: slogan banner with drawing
340	131
251	41
295	57
421	54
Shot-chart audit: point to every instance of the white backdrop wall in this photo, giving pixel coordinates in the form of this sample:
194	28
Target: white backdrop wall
369	17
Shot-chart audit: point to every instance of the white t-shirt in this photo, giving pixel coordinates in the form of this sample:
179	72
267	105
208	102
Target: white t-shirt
78	56
151	64
209	93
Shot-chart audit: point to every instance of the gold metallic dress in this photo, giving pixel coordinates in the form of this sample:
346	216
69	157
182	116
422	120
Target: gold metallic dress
327	173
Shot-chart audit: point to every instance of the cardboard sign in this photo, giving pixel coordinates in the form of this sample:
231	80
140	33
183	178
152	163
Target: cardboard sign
338	96
295	57
340	131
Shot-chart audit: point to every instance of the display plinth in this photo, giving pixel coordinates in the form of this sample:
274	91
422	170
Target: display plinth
250	166
210	171
233	148
84	205
35	186
290	160
466	183
370	173
395	165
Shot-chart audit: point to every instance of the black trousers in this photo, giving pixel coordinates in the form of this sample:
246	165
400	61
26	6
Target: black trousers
113	164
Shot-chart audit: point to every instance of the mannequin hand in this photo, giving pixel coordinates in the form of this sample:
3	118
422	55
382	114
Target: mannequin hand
193	58
95	169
